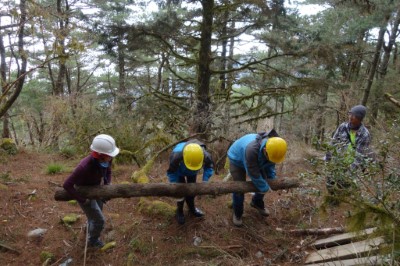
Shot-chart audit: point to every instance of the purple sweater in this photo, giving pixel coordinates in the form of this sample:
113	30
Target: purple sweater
87	173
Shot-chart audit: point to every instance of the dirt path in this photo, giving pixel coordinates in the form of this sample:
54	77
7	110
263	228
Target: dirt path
145	238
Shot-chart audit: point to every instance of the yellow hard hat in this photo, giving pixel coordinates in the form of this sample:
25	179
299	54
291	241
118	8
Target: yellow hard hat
193	156
276	149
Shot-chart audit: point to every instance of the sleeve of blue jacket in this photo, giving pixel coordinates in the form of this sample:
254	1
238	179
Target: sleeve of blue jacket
208	166
172	172
252	168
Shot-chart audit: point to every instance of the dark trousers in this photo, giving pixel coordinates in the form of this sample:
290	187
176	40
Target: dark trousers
189	199
95	217
239	174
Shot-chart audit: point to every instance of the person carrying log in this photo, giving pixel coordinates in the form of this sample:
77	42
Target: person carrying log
256	156
186	159
349	148
93	170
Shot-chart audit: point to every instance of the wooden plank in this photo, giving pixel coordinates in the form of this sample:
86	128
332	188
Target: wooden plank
341	239
374	260
348	251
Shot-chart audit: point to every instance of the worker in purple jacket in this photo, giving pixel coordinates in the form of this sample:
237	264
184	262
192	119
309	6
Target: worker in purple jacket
93	170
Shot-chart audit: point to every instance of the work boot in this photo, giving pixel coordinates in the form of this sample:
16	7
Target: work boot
95	243
192	209
180	217
259	205
237	221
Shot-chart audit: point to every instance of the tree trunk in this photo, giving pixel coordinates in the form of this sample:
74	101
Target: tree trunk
202	119
315	232
18	85
374	65
389	47
170	190
3	82
121	99
378	91
62	72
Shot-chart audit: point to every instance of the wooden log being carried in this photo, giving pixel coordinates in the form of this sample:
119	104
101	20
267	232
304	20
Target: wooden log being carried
170	190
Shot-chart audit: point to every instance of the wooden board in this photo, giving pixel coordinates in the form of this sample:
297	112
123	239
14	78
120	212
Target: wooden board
341	239
348	251
373	260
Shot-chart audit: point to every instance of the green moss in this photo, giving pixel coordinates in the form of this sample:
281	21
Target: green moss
3	187
226	165
131	260
141	175
72	202
156	207
70	218
9	146
109	245
46	257
140	246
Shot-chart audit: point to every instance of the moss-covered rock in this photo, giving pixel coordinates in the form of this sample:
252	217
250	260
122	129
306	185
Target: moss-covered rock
109	245
9	146
71	218
157	208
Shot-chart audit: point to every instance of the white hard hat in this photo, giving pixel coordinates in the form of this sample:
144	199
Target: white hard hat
104	144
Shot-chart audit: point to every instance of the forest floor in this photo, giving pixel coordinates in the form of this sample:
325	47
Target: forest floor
153	237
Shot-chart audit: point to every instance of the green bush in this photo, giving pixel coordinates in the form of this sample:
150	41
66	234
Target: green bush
68	152
9	146
54	168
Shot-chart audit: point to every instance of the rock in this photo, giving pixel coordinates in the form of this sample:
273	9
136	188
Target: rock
197	241
37	233
259	255
67	262
70	218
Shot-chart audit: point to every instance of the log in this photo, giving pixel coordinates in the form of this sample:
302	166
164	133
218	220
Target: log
170	190
315	231
392	99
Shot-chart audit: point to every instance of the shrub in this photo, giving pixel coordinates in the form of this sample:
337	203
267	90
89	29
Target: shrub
68	152
54	168
9	146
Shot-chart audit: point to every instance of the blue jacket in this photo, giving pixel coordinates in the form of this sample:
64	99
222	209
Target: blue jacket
177	167
247	152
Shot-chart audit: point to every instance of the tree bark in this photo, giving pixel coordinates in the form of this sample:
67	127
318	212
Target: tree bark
374	65
170	190
316	232
392	99
19	82
202	119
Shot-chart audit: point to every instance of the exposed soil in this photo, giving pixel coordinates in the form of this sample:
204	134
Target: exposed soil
143	239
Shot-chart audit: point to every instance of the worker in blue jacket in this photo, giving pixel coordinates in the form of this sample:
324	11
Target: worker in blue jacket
255	155
186	159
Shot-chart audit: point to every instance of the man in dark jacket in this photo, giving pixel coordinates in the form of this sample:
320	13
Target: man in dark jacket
351	144
255	155
93	170
186	159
